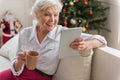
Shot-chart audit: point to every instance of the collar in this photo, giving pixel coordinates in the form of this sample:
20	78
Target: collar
33	31
53	34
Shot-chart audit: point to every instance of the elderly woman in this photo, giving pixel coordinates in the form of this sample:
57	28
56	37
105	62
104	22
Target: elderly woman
44	32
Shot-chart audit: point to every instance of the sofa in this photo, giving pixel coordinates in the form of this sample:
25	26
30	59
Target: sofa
102	64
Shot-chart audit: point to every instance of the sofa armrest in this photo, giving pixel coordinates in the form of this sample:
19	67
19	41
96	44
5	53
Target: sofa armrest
106	64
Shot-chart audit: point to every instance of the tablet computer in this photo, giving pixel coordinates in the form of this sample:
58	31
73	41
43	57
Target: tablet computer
68	36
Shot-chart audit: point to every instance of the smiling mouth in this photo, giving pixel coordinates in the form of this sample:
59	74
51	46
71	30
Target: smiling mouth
50	25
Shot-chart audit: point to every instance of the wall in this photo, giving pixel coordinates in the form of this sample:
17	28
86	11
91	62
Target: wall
113	23
20	8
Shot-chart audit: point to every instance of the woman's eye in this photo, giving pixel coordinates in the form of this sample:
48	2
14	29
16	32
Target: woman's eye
46	14
55	15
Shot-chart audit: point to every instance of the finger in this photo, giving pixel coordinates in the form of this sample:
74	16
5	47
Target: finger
21	55
81	48
78	43
79	39
26	51
76	47
21	58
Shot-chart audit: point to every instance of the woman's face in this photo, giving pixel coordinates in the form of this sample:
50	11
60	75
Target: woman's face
48	18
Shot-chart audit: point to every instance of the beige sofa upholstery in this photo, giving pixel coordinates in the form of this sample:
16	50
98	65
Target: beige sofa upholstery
105	62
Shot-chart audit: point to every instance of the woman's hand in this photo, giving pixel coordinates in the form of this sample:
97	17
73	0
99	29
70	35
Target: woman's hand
20	60
21	57
79	44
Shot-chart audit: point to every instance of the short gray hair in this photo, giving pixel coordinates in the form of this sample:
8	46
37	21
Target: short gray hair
43	4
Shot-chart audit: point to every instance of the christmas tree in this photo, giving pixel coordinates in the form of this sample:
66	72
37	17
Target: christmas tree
88	14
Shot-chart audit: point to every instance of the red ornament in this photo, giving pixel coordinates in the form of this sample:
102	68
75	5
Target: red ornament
91	12
86	26
65	23
77	0
85	2
64	9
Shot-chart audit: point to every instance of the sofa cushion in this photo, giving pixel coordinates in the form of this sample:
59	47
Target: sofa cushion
8	50
74	68
4	63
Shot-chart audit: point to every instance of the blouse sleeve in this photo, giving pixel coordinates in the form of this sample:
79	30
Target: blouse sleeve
86	37
12	64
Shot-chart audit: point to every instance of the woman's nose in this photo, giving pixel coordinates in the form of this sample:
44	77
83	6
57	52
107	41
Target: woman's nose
52	18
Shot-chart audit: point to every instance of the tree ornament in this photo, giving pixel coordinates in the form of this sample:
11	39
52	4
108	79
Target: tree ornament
73	21
85	2
80	21
66	4
65	23
86	26
71	3
77	1
91	12
83	29
64	9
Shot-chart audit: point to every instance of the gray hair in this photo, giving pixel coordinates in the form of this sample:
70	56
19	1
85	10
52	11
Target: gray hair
43	4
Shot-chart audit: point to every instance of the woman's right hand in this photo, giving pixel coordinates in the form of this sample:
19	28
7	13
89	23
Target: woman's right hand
20	60
21	57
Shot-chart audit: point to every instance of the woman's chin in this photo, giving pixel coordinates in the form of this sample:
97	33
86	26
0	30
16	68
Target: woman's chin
51	27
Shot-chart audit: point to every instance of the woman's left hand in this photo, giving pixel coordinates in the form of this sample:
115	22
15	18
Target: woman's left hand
79	44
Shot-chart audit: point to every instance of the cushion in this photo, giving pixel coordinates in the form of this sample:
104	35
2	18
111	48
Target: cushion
75	67
8	50
4	63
